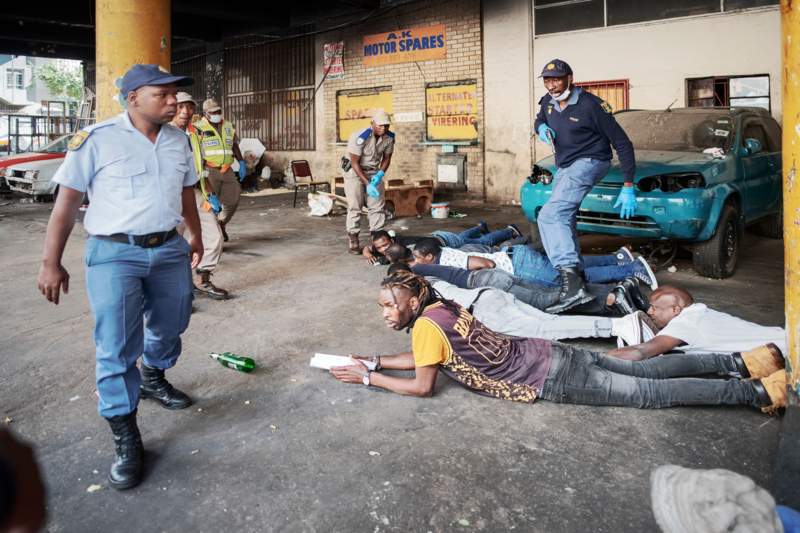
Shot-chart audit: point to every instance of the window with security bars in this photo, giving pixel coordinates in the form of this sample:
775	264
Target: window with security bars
729	91
614	92
15	78
269	91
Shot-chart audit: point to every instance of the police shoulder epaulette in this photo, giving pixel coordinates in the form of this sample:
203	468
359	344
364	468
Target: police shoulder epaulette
390	134
363	136
78	139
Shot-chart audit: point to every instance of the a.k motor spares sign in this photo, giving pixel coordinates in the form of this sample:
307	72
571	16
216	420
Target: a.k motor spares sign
414	44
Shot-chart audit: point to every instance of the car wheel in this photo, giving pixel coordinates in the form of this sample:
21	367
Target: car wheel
717	257
535	239
771	226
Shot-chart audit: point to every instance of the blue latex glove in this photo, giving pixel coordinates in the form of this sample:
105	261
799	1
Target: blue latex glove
242	171
626	199
372	186
543	129
214	202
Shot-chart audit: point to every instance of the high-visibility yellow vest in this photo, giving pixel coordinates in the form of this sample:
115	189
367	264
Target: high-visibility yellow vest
217	146
197	153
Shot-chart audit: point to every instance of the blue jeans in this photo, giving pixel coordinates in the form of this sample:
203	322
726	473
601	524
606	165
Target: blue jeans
141	299
590	378
557	220
534	266
473	236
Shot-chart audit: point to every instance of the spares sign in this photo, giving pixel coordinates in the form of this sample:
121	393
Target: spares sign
415	44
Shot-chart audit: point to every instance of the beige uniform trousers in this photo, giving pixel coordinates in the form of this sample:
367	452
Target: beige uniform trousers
356	193
227	189
210	232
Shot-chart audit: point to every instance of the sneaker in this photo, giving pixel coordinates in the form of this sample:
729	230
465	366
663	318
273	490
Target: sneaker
644	273
624	256
762	361
483	227
627	329
772	392
515	229
635	293
623	302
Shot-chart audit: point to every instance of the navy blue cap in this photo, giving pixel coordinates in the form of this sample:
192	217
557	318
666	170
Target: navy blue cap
556	69
140	75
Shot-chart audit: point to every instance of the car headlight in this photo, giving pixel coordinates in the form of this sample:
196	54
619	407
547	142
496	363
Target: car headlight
540	174
31	174
672	182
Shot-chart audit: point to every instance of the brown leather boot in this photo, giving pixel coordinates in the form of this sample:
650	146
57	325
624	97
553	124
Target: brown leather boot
762	361
203	285
353	246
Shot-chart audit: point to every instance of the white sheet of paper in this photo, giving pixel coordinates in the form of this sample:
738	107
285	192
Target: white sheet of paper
327	361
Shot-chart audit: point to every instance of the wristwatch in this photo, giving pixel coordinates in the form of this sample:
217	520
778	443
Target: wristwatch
365	379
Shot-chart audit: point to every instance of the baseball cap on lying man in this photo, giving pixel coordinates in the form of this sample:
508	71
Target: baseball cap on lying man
140	75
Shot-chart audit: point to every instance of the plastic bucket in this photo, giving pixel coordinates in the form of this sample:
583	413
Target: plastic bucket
440	210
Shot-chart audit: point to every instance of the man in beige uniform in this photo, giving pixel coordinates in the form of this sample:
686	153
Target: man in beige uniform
370	150
209	226
220	146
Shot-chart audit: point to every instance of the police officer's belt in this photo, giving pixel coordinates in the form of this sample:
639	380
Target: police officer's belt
151	240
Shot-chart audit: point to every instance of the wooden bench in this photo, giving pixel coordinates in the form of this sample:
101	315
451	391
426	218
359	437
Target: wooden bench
403	199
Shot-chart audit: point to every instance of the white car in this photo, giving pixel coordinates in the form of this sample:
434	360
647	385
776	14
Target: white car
31	172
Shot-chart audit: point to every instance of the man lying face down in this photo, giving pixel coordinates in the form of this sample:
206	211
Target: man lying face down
445	336
614	299
688	326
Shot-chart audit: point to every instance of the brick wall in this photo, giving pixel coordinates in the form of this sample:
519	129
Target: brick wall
412	159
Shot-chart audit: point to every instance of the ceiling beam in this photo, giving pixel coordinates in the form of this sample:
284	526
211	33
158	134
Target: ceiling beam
20	48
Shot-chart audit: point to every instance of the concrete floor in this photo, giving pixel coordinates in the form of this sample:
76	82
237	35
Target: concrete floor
288	448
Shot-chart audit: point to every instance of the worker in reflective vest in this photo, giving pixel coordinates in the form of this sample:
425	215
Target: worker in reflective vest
208	205
220	148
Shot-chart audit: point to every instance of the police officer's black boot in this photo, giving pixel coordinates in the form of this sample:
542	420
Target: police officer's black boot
573	290
204	286
154	385
126	471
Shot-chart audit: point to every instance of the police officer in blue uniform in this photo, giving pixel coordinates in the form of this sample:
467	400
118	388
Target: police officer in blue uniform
139	175
581	129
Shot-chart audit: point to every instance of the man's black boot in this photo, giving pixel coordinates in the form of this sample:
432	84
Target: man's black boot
126	471
573	290
154	385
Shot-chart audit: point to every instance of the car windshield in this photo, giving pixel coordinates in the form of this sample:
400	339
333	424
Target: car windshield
677	131
59	146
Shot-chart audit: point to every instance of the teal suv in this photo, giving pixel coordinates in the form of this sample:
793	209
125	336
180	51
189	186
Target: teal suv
702	175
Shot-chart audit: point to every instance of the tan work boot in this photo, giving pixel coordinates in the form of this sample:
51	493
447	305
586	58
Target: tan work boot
774	386
353	246
762	361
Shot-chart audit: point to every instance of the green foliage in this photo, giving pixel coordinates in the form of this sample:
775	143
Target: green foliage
61	80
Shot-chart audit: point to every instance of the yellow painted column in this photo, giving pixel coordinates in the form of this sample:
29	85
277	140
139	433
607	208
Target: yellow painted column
790	35
127	32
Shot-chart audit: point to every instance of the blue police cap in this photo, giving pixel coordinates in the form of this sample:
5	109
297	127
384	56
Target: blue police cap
140	75
556	69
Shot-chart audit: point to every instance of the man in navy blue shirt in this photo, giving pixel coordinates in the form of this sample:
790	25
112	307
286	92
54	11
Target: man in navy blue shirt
581	129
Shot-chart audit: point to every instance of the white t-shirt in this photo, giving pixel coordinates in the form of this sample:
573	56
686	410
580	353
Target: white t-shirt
706	330
457	258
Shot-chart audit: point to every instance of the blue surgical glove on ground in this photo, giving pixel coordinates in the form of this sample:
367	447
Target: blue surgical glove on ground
626	199
214	202
242	171
543	129
372	186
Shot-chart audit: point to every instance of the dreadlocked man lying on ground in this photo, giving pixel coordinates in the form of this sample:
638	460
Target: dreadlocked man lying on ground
446	336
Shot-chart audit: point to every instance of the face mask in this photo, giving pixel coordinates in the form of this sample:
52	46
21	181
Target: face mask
561	97
215	119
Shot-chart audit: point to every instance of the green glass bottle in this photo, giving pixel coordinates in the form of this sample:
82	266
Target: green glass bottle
236	362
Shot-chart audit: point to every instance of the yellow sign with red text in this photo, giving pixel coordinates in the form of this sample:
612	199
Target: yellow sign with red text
355	109
413	44
452	111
